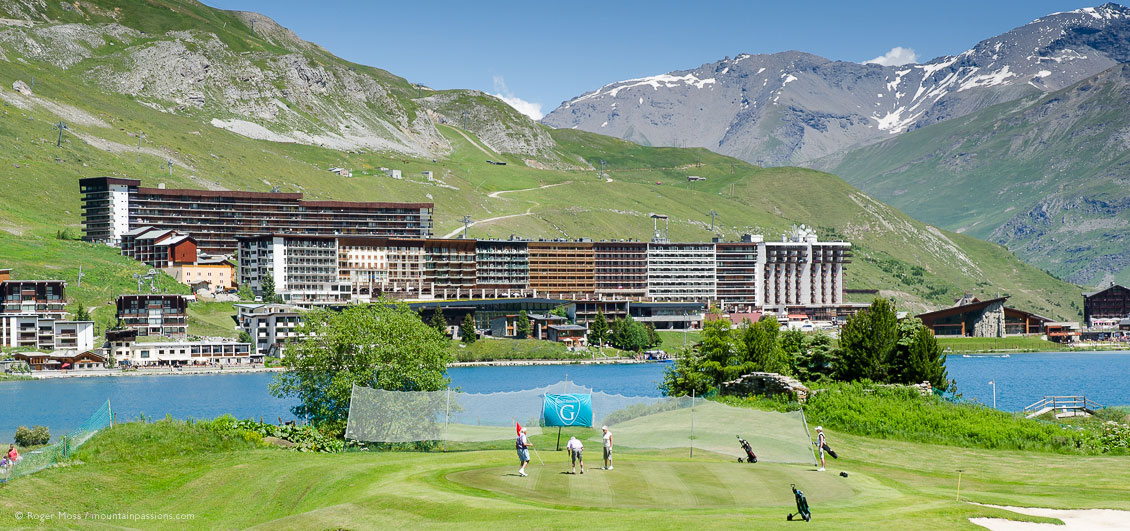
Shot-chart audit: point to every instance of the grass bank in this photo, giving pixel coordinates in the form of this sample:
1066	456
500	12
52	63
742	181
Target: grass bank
514	349
971	345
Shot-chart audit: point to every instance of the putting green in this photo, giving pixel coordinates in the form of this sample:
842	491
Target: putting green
661	484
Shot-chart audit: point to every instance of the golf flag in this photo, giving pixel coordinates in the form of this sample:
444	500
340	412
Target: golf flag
567	410
518	427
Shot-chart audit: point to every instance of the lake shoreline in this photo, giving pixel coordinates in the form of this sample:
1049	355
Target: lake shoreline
113	373
170	371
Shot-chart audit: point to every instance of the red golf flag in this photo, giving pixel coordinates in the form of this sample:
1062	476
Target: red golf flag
517	428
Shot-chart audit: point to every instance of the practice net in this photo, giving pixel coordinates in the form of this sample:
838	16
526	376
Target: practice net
38	459
636	421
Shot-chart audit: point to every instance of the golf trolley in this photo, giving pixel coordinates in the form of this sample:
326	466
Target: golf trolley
801	506
750	457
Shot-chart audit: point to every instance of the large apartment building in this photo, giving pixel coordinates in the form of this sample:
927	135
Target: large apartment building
502	267
796	273
560	267
738	264
681	271
620	269
33	315
111	207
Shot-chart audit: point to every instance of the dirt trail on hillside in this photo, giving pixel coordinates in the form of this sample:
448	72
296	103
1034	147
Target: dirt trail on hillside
498	195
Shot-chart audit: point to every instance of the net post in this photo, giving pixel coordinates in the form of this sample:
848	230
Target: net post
446	418
558	439
692	423
110	412
808	435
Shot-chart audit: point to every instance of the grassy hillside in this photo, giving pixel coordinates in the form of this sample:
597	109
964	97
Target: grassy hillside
1044	176
174	468
920	265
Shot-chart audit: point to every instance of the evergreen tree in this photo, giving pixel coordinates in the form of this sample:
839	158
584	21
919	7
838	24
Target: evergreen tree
269	289
81	314
467	330
439	322
653	339
866	343
524	328
918	357
598	330
816	360
718	351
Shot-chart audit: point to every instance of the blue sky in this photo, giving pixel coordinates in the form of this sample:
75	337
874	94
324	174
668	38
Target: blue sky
544	52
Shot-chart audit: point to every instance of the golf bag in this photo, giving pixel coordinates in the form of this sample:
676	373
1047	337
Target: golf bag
750	457
801	506
830	451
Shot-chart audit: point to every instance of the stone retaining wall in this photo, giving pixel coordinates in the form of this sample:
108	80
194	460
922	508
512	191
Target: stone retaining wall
765	383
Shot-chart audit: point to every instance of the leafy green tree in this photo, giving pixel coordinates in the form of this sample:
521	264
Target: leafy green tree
866	343
524	328
439	322
761	347
793	345
467	331
686	375
245	293
244	337
81	313
598	330
629	335
560	312
383	345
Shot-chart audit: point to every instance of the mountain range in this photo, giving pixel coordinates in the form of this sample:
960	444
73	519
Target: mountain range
791	107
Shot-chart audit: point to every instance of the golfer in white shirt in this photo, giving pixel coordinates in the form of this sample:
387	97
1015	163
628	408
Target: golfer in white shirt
575	448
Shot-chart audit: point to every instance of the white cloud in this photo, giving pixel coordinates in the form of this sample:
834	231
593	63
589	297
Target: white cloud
528	108
897	56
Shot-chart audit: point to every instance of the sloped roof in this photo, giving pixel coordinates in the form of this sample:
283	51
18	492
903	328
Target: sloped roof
964	308
1089	294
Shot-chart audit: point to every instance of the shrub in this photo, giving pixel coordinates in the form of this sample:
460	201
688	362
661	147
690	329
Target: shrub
305	437
36	436
897	412
1112	437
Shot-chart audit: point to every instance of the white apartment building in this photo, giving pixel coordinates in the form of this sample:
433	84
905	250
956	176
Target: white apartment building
681	271
303	268
271	326
183	353
30	330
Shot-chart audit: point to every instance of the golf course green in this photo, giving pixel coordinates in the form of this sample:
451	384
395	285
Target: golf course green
224	481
